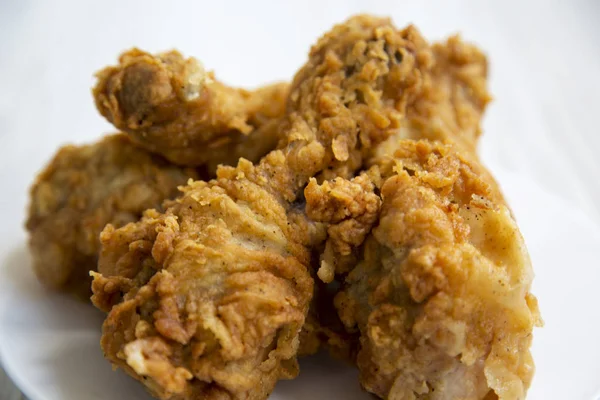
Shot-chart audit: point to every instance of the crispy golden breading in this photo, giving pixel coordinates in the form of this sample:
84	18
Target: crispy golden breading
171	106
452	101
448	106
210	296
441	296
454	97
217	289
81	190
350	208
426	188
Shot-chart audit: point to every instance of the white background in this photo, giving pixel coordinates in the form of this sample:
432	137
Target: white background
544	56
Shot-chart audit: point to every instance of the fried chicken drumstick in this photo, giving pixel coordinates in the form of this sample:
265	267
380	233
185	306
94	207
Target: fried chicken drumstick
449	107
207	299
81	190
114	181
171	106
375	172
439	292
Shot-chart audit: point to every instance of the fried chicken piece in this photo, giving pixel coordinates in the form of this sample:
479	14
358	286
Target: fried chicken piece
350	208
81	190
402	353
452	101
171	106
218	283
441	296
454	97
208	298
449	108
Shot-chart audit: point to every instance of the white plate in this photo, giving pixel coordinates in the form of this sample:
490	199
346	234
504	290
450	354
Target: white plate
49	343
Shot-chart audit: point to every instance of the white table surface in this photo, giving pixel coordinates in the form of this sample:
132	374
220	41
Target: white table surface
544	55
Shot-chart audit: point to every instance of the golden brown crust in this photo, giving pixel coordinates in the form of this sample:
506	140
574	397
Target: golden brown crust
413	344
82	189
441	296
352	94
245	230
446	101
207	298
451	103
455	96
350	208
171	106
220	286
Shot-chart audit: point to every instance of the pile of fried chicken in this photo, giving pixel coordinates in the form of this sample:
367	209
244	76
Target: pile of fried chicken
227	232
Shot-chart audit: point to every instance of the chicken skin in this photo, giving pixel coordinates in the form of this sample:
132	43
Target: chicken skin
171	106
114	181
347	210
81	190
452	101
441	295
448	107
439	291
207	299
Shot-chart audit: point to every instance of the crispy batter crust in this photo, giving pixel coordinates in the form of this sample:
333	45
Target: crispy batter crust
350	208
441	296
374	189
205	334
81	190
426	329
220	288
171	106
451	103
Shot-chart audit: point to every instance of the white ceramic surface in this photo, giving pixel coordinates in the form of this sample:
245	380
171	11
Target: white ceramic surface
49	343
